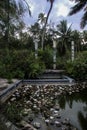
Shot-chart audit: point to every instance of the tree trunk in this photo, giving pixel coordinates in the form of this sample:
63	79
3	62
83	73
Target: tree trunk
44	28
8	22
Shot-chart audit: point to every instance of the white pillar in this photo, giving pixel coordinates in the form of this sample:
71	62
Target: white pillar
54	54
36	49
72	51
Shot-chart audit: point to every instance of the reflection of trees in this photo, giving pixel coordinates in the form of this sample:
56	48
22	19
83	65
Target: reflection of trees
77	97
62	102
82	121
85	108
83	96
69	100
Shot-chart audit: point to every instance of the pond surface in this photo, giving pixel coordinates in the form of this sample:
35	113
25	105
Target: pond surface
44	103
75	108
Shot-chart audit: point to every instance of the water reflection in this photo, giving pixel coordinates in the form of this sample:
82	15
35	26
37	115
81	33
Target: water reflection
54	108
75	108
62	102
83	120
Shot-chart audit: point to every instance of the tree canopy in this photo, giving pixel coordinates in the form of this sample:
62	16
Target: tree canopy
80	5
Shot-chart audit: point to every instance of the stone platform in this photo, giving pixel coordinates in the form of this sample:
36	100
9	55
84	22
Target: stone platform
4	84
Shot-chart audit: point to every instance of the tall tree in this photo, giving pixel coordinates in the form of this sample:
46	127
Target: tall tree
41	19
80	5
85	35
11	12
76	37
44	28
64	33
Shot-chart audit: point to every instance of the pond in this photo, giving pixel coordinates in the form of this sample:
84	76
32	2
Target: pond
74	107
48	107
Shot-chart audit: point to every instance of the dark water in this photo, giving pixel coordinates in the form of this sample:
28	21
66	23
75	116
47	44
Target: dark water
72	107
75	108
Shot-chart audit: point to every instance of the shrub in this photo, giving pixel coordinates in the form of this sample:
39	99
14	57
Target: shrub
46	56
20	64
61	62
12	112
36	68
78	68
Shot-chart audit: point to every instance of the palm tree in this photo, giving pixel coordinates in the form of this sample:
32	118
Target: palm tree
10	16
85	35
34	29
64	33
80	5
41	19
76	37
44	28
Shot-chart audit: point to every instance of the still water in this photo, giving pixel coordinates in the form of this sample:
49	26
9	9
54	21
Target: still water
75	108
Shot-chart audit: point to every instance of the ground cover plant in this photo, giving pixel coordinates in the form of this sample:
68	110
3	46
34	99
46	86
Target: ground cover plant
78	68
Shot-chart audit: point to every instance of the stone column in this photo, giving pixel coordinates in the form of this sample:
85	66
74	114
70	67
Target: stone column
36	49
72	51
54	54
36	40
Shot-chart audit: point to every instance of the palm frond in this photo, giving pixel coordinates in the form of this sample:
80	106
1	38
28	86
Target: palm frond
84	20
79	6
69	30
28	7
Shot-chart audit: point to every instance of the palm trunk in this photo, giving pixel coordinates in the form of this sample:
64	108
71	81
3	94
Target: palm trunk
8	23
6	36
44	28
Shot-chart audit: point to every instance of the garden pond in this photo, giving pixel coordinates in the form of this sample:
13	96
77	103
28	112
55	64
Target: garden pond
48	107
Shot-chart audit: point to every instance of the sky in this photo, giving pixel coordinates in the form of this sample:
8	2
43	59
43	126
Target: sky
59	12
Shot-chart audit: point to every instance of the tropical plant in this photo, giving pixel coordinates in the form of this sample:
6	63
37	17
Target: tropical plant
12	112
64	34
46	56
76	37
20	64
85	35
80	5
78	68
41	19
10	17
44	28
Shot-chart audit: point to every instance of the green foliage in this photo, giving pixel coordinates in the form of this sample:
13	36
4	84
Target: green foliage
19	64
61	62
78	68
46	56
80	5
36	68
12	112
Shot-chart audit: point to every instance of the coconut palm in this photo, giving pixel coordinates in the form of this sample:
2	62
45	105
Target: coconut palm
85	35
35	29
76	37
41	19
80	5
44	28
64	34
10	16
